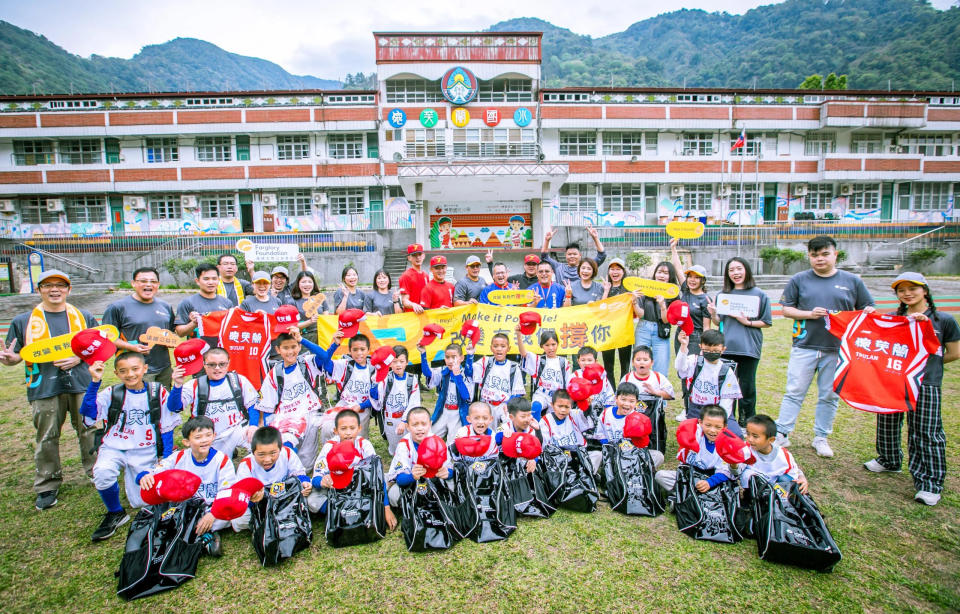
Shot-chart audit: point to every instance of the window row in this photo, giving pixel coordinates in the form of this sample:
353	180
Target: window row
640	197
401	91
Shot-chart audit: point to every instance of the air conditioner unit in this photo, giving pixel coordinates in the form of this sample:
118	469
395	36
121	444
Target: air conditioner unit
269	200
799	189
723	191
676	191
188	201
7	206
319	198
689	152
846	189
54	205
135	202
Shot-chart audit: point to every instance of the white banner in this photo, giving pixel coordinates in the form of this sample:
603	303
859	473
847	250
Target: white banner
274	252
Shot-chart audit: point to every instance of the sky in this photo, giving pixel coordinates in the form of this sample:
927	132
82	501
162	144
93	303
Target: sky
320	38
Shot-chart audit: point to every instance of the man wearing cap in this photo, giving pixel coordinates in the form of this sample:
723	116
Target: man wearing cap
54	389
569	271
133	315
469	288
438	292
529	276
280	284
807	299
230	286
262	299
413	280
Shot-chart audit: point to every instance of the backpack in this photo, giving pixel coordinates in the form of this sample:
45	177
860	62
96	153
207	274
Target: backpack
393	382
486	373
725	366
347	374
541	363
236	391
118	394
278	373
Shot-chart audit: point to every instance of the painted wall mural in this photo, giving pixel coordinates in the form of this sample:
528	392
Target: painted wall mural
477	225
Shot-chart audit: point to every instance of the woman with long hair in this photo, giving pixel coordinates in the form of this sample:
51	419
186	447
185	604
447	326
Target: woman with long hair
653	330
304	287
382	300
348	296
585	289
616	271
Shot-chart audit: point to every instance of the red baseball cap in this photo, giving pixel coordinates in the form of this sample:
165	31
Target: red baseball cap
283	318
687	435
531	259
171	486
91	345
340	460
679	313
381	359
473	445
350	321
734	450
522	445
431	332
529	321
580	391
438	261
189	355
432	454
414	248
637	429
231	503
595	374
470	331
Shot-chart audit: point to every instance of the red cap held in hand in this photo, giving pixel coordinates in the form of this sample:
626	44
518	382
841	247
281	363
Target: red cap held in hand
595	374
380	360
470	331
687	435
283	318
91	345
580	391
679	313
637	429
431	332
232	502
189	355
350	320
340	461
432	454
473	445
529	321
171	486
734	450
521	445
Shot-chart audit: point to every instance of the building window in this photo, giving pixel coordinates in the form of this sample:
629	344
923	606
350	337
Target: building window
213	206
165	207
752	146
73	104
578	197
294	203
624	143
697	144
865	196
345	146
425	143
81	151
209	102
34	211
413	90
748	198
32	153
346	201
698	196
505	90
213	149
819	143
927	144
578	143
622	197
162	150
494	142
86	209
819	196
293	147
866	143
931	196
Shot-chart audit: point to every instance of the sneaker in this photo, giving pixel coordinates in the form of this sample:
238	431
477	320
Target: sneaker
46	500
877	467
926	497
783	440
681	416
211	541
822	447
109	525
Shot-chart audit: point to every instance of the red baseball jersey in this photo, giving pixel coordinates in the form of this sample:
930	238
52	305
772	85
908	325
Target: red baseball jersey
412	283
245	336
882	358
436	295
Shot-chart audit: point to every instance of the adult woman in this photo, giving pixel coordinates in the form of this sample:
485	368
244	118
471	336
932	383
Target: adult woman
381	300
653	330
742	333
347	295
304	287
616	271
585	290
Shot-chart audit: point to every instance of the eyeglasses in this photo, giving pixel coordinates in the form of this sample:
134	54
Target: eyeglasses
146	281
216	365
52	286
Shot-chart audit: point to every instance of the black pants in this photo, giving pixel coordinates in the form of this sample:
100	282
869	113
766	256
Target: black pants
609	363
747	376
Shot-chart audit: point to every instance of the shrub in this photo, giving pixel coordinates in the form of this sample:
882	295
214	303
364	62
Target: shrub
925	256
636	261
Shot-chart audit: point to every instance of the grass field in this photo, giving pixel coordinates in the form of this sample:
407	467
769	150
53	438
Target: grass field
898	555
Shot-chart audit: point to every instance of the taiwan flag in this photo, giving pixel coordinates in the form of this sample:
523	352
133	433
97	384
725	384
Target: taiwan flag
741	140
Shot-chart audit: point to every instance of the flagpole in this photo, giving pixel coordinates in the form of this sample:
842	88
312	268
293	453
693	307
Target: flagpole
739	211
723	215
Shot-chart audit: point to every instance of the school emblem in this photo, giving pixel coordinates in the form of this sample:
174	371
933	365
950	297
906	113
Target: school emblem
625	445
277	489
459	85
422	487
170	512
479	467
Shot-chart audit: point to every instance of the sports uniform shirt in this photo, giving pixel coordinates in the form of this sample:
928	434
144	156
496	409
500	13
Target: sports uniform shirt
216	472
707	389
357	390
612	424
551	297
132	318
705	457
412	283
364	450
882	359
133	429
657	380
220	406
245	336
467	431
607	397
498	389
298	396
288	465
842	291
437	294
557	372
392	396
771	466
567	432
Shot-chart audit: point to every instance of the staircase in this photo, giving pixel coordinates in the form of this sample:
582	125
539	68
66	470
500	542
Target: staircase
76	269
176	248
395	263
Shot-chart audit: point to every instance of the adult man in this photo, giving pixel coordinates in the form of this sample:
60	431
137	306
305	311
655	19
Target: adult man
438	291
413	280
469	288
499	282
550	294
529	276
808	297
54	389
229	286
279	284
569	271
205	301
133	315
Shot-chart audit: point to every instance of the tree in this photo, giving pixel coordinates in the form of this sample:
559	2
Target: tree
833	82
813	82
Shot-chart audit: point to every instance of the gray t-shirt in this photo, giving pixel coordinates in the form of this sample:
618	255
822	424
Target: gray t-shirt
375	301
947	331
231	291
354	301
309	332
252	303
132	318
842	291
582	296
43	379
201	305
467	289
564	272
743	340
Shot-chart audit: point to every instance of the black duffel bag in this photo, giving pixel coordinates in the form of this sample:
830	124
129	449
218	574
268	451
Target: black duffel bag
436	513
627	473
356	514
655	409
496	516
708	516
280	523
527	490
568	478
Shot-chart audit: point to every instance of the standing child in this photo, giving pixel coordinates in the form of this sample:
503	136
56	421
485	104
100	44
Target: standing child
499	379
395	396
712	379
549	372
352	376
454	386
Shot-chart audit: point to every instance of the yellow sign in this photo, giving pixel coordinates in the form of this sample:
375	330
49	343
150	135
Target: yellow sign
602	325
244	245
160	336
651	287
58	348
512	297
460	117
313	304
685	230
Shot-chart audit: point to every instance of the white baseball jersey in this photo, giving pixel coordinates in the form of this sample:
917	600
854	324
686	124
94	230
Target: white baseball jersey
451	402
220	406
657	381
357	390
612	424
703	458
498	387
405	458
298	396
364	450
557	373
133	429
288	465
217	471
607	397
392	397
566	432
707	390
771	466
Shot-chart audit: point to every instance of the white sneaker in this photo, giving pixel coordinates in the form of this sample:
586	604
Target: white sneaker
876	467
822	447
783	440
681	416
927	498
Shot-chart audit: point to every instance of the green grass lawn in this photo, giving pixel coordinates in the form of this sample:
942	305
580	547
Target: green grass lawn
898	555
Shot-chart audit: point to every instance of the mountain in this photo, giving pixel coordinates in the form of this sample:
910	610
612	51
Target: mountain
907	42
30	62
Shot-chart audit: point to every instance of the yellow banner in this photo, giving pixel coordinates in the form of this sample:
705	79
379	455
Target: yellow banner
602	325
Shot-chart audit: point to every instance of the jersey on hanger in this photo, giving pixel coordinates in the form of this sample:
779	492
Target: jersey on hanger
246	336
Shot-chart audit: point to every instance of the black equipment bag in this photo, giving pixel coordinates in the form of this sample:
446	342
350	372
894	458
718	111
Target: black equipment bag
355	514
568	478
789	527
496	516
708	516
280	523
627	472
434	514
162	549
654	409
526	489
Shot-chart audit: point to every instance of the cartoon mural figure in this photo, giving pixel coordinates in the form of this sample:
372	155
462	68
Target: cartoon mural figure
517	236
442	233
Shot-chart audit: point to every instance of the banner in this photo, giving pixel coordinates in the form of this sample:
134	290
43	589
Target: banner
602	325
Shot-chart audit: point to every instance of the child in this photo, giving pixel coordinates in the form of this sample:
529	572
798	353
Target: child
138	430
711	379
563	426
520	412
650	384
404	470
270	462
289	401
479	421
499	379
588	356
710	422
551	372
225	396
454	387
212	466
395	396
613	418
352	377
773	462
